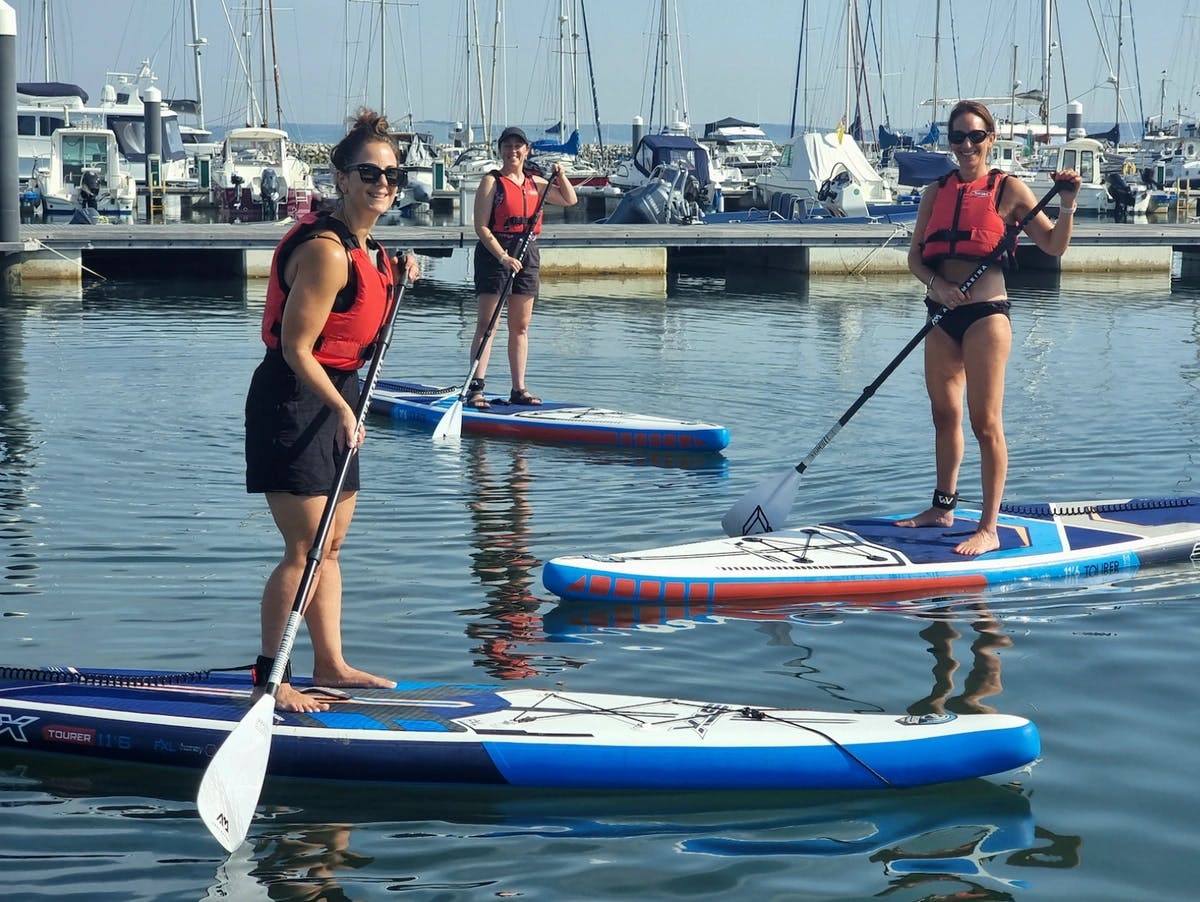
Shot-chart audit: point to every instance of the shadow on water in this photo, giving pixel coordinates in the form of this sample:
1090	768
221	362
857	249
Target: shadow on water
973	837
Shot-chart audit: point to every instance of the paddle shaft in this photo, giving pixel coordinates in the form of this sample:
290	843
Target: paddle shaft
317	551
522	249
924	330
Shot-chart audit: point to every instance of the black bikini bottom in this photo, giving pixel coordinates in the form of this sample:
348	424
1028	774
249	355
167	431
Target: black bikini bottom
957	321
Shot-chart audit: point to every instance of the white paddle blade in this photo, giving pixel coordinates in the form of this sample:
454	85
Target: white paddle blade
450	425
763	509
233	782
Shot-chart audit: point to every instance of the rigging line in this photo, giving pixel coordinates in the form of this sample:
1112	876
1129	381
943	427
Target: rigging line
41	244
759	714
587	46
901	229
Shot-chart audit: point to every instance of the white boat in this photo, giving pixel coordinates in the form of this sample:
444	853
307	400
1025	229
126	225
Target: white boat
742	145
44	107
84	179
256	179
828	169
1098	194
657	152
471	165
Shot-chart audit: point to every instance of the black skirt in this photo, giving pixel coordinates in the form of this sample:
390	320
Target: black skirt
291	436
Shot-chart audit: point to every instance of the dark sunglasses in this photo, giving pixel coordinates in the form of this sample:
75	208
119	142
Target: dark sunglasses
370	173
976	136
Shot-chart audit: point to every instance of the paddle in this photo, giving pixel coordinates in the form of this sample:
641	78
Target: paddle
233	782
767	506
450	425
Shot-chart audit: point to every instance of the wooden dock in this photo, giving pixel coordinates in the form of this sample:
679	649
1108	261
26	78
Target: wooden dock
64	251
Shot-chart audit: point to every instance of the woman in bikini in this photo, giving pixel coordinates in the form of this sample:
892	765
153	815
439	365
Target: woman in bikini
960	222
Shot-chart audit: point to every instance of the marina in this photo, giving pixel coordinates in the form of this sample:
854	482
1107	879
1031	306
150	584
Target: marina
842	710
244	249
128	541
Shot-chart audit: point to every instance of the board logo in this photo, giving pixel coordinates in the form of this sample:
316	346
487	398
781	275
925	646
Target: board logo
15	726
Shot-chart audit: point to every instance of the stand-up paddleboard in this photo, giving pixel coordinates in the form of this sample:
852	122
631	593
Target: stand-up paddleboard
551	421
865	557
436	733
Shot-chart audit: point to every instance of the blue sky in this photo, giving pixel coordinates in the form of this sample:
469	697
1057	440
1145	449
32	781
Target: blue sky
737	58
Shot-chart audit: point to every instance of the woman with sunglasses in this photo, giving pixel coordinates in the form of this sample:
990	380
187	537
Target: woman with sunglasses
961	221
330	289
504	206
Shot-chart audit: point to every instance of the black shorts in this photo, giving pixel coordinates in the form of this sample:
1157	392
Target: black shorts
491	277
957	321
291	437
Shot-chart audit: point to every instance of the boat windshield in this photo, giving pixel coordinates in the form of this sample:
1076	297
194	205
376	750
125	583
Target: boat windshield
131	137
80	152
261	151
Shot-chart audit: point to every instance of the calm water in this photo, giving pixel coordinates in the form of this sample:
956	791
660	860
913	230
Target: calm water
128	541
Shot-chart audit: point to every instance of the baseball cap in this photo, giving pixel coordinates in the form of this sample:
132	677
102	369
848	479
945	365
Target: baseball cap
511	132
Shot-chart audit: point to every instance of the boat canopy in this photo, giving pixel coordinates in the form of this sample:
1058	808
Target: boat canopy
32	91
671	150
570	147
921	167
712	129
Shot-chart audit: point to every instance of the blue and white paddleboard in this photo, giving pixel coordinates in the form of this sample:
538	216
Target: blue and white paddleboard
436	733
552	421
874	557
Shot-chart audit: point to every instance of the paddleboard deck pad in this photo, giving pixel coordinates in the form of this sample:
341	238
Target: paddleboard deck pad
552	421
873	556
451	734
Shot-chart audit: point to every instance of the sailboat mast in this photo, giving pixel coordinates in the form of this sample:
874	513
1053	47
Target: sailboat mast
937	57
46	36
197	44
1046	45
562	68
1120	41
1012	98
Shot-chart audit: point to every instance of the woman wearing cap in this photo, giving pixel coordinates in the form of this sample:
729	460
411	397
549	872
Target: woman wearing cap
504	206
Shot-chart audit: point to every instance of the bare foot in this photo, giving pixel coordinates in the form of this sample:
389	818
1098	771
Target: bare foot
982	542
349	677
934	516
288	699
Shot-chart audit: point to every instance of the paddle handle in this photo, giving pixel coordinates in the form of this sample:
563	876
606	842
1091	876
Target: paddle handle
964	287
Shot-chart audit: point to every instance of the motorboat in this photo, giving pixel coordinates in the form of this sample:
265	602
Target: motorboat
256	179
84	178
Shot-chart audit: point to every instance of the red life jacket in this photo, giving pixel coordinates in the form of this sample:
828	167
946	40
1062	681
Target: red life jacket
964	224
348	338
511	210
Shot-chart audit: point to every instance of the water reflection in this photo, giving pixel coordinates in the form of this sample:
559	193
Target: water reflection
16	447
571	622
500	515
501	518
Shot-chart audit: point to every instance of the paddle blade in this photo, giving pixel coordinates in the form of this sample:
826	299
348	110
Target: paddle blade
233	782
450	425
764	508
